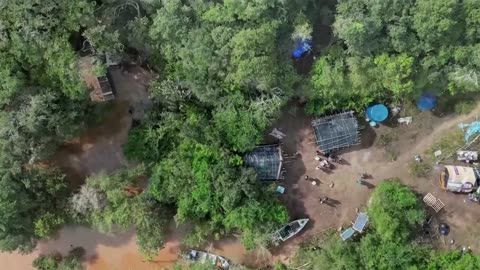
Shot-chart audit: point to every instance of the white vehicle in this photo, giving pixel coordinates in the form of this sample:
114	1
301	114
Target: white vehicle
459	179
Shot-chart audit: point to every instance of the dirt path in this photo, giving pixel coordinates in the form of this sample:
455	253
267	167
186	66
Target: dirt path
427	141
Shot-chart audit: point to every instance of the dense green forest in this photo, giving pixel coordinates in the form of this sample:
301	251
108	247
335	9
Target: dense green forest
225	71
395	50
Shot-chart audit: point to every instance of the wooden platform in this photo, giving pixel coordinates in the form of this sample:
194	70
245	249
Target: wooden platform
433	202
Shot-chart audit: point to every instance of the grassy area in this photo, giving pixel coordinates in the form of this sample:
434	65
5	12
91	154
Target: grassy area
385	139
409	108
420	169
448	144
464	106
390	154
457	105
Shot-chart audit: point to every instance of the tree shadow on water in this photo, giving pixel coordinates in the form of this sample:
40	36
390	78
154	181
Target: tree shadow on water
83	237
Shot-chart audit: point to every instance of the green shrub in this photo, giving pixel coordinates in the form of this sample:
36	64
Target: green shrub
394	211
47	262
100	69
448	144
409	108
55	261
420	169
47	224
384	140
464	106
279	266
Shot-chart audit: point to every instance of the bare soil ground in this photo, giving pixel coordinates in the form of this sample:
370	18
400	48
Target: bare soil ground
302	198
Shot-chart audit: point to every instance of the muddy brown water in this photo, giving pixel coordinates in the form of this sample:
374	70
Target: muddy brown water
119	252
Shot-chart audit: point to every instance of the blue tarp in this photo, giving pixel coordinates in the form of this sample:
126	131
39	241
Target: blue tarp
377	113
427	101
301	48
472	129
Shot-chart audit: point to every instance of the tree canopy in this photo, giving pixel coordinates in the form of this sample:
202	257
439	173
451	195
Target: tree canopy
391	51
224	73
43	103
35	45
115	202
394	210
227	73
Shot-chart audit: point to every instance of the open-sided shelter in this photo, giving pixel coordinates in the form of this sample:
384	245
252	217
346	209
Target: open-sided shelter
336	131
267	161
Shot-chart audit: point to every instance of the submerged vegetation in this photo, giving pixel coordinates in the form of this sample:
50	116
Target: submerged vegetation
55	261
225	72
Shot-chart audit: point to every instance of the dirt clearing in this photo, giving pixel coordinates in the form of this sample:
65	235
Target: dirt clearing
303	199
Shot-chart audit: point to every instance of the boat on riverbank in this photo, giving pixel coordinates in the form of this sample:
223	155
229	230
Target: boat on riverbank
289	230
207	258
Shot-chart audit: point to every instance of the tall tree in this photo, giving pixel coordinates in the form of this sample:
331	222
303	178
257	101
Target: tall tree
394	210
36	40
32	204
436	22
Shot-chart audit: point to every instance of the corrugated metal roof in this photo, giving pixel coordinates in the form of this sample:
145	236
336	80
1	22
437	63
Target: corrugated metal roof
336	131
266	160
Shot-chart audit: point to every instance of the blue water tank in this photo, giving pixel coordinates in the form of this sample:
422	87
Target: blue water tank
377	113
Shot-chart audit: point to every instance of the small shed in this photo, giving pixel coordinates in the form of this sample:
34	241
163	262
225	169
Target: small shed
267	161
336	131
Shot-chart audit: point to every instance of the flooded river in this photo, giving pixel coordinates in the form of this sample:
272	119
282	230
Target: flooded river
100	148
118	252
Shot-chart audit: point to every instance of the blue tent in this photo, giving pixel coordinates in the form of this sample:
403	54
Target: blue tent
377	113
427	101
301	48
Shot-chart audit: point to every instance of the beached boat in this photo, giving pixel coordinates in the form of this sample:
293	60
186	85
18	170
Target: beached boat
207	258
289	230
